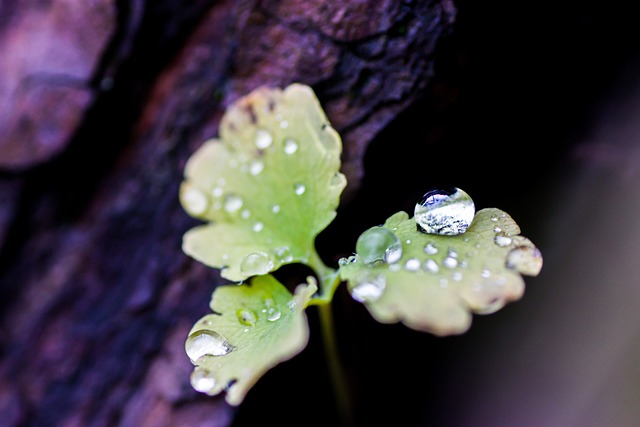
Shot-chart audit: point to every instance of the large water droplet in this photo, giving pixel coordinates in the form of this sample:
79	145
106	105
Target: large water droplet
379	244
206	342
369	288
247	317
263	139
526	259
446	212
290	146
202	380
232	203
256	263
299	189
194	201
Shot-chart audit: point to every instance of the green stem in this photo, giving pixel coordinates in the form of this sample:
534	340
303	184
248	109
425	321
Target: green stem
329	280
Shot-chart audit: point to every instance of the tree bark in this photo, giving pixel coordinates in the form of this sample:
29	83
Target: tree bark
96	296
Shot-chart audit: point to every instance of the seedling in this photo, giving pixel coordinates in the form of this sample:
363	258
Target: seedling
267	187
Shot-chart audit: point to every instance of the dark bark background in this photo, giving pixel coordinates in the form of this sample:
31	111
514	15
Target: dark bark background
529	107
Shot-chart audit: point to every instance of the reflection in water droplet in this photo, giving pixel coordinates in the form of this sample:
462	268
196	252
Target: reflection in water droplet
526	259
430	249
444	211
502	240
412	264
206	342
247	317
299	189
290	146
202	380
263	139
256	167
232	203
256	263
194	201
368	288
378	244
283	254
431	265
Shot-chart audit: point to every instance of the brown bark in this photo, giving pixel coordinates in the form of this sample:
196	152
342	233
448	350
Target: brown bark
96	295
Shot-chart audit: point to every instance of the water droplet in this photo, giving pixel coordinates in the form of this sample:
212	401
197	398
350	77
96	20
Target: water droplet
457	276
202	380
412	264
408	241
450	262
502	240
247	317
256	167
284	124
497	229
292	305
272	311
263	139
194	201
346	261
446	212
256	263
283	254
257	227
275	208
217	192
431	265
430	249
232	203
494	218
207	342
379	244
526	259
369	288
299	189
485	273
290	146
245	213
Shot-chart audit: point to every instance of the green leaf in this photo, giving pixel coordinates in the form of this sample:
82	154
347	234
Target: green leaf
268	186
254	327
478	271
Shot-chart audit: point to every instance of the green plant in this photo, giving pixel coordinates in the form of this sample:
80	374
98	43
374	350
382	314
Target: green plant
266	188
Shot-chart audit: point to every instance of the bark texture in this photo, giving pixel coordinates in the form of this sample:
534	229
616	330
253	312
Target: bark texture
101	103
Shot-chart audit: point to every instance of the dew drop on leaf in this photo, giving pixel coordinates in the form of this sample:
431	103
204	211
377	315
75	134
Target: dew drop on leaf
290	146
256	263
256	167
450	262
299	189
502	240
444	211
232	203
263	139
379	244
283	254
247	317
206	342
275	208
412	264
273	313
431	266
430	249
202	380
369	288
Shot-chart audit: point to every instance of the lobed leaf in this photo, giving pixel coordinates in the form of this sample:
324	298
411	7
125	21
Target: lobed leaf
439	281
254	327
267	186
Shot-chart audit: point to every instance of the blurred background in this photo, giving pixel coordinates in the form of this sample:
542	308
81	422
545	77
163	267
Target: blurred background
530	108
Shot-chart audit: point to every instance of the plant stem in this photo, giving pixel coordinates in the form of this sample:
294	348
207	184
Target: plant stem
329	279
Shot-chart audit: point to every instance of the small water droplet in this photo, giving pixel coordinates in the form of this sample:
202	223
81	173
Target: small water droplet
256	263
502	240
290	146
292	305
412	264
232	203
257	227
283	254
256	167
494	218
497	229
272	311
245	213
526	259
408	241
207	342
379	244
369	288
195	201
299	189
450	262
431	265
284	124
263	139
202	380
247	317
345	261
430	249
452	253
485	273
275	208
457	276
444	211
217	192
